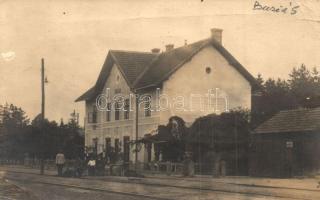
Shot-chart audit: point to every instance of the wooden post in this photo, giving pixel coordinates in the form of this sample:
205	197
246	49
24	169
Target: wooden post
42	117
137	130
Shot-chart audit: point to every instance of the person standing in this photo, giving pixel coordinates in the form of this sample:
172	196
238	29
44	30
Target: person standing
60	161
92	167
78	167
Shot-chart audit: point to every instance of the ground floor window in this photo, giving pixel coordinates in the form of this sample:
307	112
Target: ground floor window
95	145
117	145
108	145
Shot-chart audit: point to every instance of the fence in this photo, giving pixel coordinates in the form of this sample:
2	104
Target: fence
151	168
158	168
34	163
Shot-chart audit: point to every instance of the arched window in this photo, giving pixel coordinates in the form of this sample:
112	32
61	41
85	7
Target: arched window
126	108
147	106
117	111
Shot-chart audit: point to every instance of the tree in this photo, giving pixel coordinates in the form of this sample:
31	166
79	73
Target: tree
74	138
19	137
301	90
14	117
275	96
172	140
14	128
221	137
305	86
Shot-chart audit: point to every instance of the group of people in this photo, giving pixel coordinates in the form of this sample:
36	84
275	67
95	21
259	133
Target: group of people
94	164
60	163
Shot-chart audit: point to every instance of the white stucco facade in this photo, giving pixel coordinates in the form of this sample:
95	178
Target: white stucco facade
225	86
207	70
117	129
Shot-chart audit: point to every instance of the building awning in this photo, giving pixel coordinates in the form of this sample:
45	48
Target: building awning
162	135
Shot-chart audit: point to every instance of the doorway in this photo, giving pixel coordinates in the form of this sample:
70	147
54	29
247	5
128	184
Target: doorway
126	149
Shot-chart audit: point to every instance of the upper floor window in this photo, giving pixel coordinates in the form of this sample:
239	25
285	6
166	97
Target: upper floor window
208	70
118	79
126	108
117	90
117	111
92	116
108	113
147	106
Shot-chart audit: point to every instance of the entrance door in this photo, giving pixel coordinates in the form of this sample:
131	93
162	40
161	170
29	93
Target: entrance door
288	165
149	151
117	145
95	145
126	149
108	146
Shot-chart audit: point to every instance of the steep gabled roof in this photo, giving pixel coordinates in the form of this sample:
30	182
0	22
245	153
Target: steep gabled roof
168	62
130	64
142	70
299	120
87	95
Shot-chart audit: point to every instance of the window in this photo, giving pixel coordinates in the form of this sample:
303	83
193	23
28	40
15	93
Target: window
208	70
126	108
95	145
118	79
108	113
117	145
117	111
147	106
117	91
92	116
108	145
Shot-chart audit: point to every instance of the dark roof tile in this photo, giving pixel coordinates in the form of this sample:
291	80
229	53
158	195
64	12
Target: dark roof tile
167	62
85	96
298	120
144	69
132	63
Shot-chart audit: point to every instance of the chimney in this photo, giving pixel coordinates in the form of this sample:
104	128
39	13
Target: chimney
216	34
155	50
169	47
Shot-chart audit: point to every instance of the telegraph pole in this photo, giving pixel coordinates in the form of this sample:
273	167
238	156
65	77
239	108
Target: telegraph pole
137	131
42	117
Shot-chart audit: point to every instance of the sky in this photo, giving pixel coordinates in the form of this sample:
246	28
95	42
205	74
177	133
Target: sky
74	37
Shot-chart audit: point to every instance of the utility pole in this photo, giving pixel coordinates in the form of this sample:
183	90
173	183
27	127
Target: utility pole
236	142
42	117
137	130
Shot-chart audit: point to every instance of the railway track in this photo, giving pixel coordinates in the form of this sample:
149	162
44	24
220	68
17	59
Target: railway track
142	183
92	189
